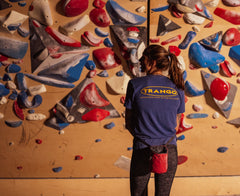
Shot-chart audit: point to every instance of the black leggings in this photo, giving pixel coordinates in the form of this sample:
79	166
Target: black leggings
140	172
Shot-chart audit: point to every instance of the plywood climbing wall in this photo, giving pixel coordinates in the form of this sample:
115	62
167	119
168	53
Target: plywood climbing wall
100	148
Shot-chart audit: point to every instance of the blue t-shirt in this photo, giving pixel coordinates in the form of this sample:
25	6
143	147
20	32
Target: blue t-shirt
155	102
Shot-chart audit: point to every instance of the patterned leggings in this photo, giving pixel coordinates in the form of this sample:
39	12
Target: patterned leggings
140	172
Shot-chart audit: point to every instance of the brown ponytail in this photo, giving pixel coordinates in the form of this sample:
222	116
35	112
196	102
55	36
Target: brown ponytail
175	72
165	61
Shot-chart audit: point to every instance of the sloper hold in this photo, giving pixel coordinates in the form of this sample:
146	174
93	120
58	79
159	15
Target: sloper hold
3	90
165	25
202	57
231	37
235	122
4	5
13	48
106	58
13	21
227	69
118	84
68	70
74	7
234	53
233	3
96	114
41	11
224	106
86	97
213	42
20	81
12	123
99	17
228	15
17	110
121	16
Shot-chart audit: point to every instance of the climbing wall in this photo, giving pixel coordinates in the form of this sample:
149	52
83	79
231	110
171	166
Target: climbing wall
74	140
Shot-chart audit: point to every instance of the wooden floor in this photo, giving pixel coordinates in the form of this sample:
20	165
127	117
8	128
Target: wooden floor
183	186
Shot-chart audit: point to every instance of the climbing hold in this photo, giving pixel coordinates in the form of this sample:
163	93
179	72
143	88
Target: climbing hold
213	42
193	19
129	148
22	3
40	10
35	116
165	25
13	68
100	32
19	167
37	89
222	149
6	77
13	95
3	90
99	17
197	107
225	97
202	57
197	115
3	100
234	53
4	5
12	123
227	69
25	103
13	48
172	39
209	25
103	73
23	31
215	115
98	140
90	65
228	15
91	39
175	50
74	7
96	114
212	3
75	25
161	8
231	37
31	111
120	73
106	58
21	82
233	3
181	137
219	89
90	97
38	141
108	42
154	39
214	68
11	85
121	16
192	90
92	73
98	3
187	40
18	111
183	126
78	157
182	159
109	125
57	169
118	84
61	38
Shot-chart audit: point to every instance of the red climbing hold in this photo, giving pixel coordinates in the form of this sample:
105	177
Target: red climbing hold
91	98
75	7
99	17
182	159
231	37
98	3
18	111
38	141
228	15
96	114
174	50
219	89
78	157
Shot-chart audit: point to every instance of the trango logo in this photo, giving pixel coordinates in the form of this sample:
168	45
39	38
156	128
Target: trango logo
159	91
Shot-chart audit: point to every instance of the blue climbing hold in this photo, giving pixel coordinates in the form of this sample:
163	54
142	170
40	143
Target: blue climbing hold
69	102
222	149
187	40
3	90
13	95
129	148
202	57
182	137
120	73
13	124
21	82
214	68
101	33
57	169
31	111
160	9
98	140
90	65
192	90
197	115
234	53
109	125
6	77
25	103
13	68
107	42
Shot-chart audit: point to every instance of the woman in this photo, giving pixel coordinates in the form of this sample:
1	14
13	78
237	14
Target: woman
153	105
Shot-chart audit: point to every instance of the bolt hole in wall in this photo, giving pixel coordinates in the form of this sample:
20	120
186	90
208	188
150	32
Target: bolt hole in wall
63	84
